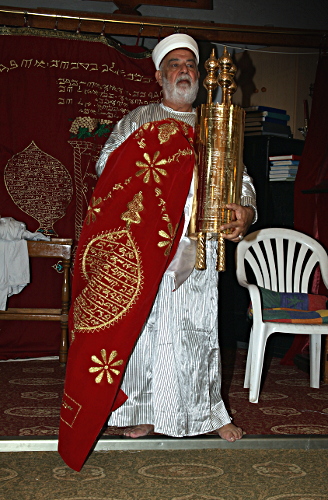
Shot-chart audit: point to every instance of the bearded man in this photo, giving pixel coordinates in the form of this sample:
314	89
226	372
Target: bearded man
173	379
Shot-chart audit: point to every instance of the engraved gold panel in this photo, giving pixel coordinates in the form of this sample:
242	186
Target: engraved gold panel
220	150
111	265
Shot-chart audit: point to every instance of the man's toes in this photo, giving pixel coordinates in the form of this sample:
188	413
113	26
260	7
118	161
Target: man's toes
230	432
138	431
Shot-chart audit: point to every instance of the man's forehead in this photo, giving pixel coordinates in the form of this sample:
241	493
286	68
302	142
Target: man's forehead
177	54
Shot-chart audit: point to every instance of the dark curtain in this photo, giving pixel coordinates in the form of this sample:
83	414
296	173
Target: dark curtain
311	208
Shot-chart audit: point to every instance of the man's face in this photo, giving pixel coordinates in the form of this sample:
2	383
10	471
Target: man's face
178	75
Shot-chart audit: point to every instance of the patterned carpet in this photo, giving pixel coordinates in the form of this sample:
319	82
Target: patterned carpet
168	475
30	397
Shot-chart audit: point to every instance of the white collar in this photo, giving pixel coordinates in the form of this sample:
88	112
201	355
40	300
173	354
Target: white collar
167	108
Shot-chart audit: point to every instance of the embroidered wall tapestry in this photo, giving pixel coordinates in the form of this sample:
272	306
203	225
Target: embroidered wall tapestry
60	95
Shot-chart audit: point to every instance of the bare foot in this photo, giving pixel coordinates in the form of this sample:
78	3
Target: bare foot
138	431
230	432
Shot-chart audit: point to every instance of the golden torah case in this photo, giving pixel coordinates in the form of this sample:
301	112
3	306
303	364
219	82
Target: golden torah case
219	148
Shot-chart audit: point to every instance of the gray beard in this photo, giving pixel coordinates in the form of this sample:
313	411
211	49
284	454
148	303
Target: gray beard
180	95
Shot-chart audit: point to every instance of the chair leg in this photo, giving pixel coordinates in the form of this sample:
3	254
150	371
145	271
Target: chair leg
64	316
63	343
315	360
325	361
248	362
258	349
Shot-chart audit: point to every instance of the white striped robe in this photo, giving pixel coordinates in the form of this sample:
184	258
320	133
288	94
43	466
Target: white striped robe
173	378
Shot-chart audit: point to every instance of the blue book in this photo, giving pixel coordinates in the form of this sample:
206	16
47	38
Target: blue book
282	163
268	127
280	171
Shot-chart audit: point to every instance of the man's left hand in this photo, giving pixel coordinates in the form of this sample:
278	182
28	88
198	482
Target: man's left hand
242	219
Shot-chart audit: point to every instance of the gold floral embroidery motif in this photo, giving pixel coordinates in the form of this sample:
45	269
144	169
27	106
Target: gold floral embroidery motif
166	130
106	366
112	268
93	210
169	238
152	166
134	207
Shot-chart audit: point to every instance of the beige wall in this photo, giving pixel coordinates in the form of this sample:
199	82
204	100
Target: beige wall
279	80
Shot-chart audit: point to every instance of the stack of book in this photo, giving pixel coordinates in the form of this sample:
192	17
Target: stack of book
263	120
284	167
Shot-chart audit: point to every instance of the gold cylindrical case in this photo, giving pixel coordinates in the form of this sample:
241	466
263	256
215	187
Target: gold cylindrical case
219	149
220	134
219	146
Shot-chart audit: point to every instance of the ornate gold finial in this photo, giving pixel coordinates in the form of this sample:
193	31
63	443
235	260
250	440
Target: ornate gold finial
210	81
201	252
226	77
221	262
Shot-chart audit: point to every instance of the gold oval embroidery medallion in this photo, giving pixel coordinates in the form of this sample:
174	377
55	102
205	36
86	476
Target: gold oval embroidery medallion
111	263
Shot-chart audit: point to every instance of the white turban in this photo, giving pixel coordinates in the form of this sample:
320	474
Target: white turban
172	42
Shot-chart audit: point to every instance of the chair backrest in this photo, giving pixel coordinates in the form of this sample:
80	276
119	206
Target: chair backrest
281	259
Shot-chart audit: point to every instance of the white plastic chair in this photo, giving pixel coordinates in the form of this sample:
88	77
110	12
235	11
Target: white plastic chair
282	260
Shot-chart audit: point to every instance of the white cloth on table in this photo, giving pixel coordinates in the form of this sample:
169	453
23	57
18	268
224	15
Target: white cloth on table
14	262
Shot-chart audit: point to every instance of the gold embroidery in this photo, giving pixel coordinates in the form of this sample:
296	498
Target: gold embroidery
116	187
162	204
180	152
111	265
86	122
84	152
169	237
185	129
40	185
106	366
70	410
93	210
151	167
142	143
134	206
166	130
65	405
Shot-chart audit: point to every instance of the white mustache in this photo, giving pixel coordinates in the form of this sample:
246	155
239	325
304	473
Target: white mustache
183	77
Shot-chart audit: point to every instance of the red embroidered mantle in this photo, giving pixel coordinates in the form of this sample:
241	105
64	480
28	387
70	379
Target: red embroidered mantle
131	229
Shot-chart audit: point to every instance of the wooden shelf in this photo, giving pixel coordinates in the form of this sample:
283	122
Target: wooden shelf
132	25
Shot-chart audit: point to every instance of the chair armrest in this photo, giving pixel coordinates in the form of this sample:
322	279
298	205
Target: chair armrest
256	301
255	295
